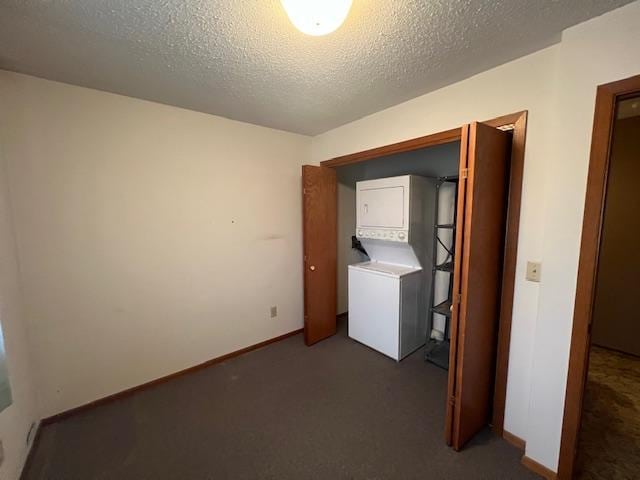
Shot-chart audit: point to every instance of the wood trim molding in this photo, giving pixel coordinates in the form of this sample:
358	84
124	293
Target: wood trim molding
507	122
606	97
439	138
152	383
538	468
514	440
447	136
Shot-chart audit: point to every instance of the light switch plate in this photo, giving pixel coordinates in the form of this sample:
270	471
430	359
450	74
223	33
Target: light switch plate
274	312
533	271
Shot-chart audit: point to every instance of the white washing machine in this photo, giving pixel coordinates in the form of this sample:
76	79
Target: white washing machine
388	295
384	308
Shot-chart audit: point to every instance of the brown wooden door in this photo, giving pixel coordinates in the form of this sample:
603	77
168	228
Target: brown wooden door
479	249
319	232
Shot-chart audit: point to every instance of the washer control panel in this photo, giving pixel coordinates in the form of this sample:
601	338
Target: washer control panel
383	234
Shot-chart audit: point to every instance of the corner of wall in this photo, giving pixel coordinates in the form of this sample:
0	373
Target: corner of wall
19	419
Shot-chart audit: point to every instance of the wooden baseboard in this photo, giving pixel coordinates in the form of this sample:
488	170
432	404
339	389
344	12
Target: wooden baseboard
130	391
514	440
538	468
32	449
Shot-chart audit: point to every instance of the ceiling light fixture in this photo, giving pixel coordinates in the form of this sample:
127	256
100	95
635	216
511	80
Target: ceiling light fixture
317	17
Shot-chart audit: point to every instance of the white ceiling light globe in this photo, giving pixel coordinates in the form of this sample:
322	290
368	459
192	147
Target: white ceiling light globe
317	17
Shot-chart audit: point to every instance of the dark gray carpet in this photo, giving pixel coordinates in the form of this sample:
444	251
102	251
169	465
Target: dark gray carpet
336	410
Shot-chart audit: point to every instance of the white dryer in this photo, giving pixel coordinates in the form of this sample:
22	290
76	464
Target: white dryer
394	219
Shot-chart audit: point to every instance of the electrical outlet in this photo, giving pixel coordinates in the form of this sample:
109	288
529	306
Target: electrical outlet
274	312
533	271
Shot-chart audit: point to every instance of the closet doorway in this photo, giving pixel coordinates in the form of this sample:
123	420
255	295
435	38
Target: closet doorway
604	361
490	170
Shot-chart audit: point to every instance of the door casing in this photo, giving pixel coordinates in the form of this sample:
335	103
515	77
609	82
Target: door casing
517	124
606	97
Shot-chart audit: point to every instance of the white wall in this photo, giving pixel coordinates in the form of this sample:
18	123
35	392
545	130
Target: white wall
15	420
557	85
599	51
150	238
346	254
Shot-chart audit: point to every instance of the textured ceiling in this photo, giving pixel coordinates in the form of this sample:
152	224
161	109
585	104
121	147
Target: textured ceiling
242	59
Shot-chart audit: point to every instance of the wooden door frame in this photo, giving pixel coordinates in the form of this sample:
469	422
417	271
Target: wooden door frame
517	123
606	98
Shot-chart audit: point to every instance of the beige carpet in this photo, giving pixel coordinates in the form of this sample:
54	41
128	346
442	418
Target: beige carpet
609	445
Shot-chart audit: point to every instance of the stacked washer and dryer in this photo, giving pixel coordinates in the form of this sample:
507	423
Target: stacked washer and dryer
389	294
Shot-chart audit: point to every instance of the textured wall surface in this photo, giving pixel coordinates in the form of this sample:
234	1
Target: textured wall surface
244	60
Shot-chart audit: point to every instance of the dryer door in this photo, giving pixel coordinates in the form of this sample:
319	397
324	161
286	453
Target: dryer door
382	207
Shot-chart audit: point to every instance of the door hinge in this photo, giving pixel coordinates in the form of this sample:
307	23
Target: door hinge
457	298
452	401
304	191
464	173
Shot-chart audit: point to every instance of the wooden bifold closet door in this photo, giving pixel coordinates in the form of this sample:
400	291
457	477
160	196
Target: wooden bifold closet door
484	157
